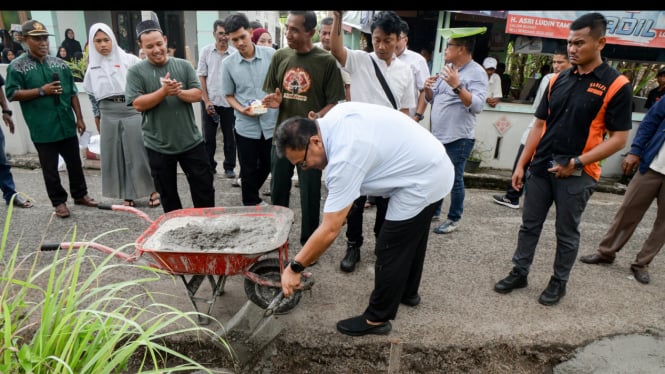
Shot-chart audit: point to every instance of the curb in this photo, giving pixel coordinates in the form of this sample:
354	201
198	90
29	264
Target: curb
485	178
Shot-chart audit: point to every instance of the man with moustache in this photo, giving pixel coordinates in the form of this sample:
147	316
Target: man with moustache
163	89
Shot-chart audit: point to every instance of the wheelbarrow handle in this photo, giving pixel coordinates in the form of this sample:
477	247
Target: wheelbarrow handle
128	209
49	247
100	247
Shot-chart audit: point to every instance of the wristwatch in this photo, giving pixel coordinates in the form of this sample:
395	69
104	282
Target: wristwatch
578	163
457	89
41	92
419	116
296	266
7	111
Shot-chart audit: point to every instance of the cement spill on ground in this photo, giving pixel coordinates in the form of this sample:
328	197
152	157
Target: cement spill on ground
619	354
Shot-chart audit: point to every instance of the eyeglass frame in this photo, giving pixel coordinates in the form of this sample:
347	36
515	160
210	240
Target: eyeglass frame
303	164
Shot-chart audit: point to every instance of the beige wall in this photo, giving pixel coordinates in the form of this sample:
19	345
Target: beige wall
517	117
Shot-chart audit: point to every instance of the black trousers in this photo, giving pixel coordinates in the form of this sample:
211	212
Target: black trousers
254	158
354	220
226	124
400	255
48	159
194	162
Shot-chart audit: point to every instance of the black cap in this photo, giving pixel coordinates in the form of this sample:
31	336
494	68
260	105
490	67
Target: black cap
661	72
147	25
34	28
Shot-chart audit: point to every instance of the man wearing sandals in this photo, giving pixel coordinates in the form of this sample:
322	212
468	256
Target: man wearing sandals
6	179
45	88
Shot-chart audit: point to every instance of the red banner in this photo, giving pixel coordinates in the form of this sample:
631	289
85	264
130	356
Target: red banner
634	28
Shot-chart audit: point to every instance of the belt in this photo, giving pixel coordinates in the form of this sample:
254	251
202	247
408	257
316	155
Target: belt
116	99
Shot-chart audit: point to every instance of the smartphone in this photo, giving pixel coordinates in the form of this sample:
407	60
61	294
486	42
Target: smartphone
564	160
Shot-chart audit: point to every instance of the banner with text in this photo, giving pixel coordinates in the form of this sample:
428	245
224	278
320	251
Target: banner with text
634	28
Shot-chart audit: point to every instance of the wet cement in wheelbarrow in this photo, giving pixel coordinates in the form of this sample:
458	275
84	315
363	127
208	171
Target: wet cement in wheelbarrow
226	234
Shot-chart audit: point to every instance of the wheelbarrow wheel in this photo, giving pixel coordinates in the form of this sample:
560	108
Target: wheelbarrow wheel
264	295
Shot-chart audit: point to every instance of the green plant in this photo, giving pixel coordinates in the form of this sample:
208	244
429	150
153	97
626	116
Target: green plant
54	320
78	66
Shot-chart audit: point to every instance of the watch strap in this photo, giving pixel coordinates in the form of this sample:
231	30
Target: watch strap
296	266
578	163
457	89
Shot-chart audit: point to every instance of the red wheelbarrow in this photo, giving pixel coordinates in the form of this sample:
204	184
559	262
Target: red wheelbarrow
215	243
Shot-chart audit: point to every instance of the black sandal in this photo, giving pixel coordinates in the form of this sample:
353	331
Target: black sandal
154	200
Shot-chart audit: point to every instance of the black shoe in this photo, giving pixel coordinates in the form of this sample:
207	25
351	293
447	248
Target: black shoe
596	258
512	281
352	257
555	290
411	301
641	274
358	326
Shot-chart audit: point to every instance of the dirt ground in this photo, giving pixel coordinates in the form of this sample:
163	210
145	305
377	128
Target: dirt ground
461	326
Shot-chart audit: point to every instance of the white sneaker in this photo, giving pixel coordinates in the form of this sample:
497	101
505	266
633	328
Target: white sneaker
503	200
446	227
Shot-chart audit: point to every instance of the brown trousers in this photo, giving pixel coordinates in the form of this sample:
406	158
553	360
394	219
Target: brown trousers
642	190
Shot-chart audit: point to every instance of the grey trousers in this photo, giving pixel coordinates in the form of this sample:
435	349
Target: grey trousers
642	190
570	196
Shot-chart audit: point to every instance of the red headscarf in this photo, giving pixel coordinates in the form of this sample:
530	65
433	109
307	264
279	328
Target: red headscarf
256	34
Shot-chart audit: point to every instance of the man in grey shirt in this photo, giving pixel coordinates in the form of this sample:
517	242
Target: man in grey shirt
457	95
215	109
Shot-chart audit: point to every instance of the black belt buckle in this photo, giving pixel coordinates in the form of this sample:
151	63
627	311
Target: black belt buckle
117	99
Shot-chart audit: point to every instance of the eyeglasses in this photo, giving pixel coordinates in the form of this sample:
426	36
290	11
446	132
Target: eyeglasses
303	164
452	45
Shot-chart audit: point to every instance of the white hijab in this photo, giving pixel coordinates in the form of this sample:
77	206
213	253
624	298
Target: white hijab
106	75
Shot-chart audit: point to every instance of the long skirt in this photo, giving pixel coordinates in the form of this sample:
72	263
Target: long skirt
124	160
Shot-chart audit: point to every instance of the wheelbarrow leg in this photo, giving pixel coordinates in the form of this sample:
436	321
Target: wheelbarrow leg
192	285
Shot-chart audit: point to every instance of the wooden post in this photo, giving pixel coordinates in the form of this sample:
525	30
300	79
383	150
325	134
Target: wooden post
395	353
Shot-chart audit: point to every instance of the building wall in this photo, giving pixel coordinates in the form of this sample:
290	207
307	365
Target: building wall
64	20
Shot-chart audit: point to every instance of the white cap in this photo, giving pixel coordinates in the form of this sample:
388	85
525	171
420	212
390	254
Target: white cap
489	63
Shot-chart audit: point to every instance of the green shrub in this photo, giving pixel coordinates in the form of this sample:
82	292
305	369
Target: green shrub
54	320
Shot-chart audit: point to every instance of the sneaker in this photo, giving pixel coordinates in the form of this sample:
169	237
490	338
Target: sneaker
513	281
446	227
229	173
556	289
503	200
351	258
236	183
358	326
436	217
